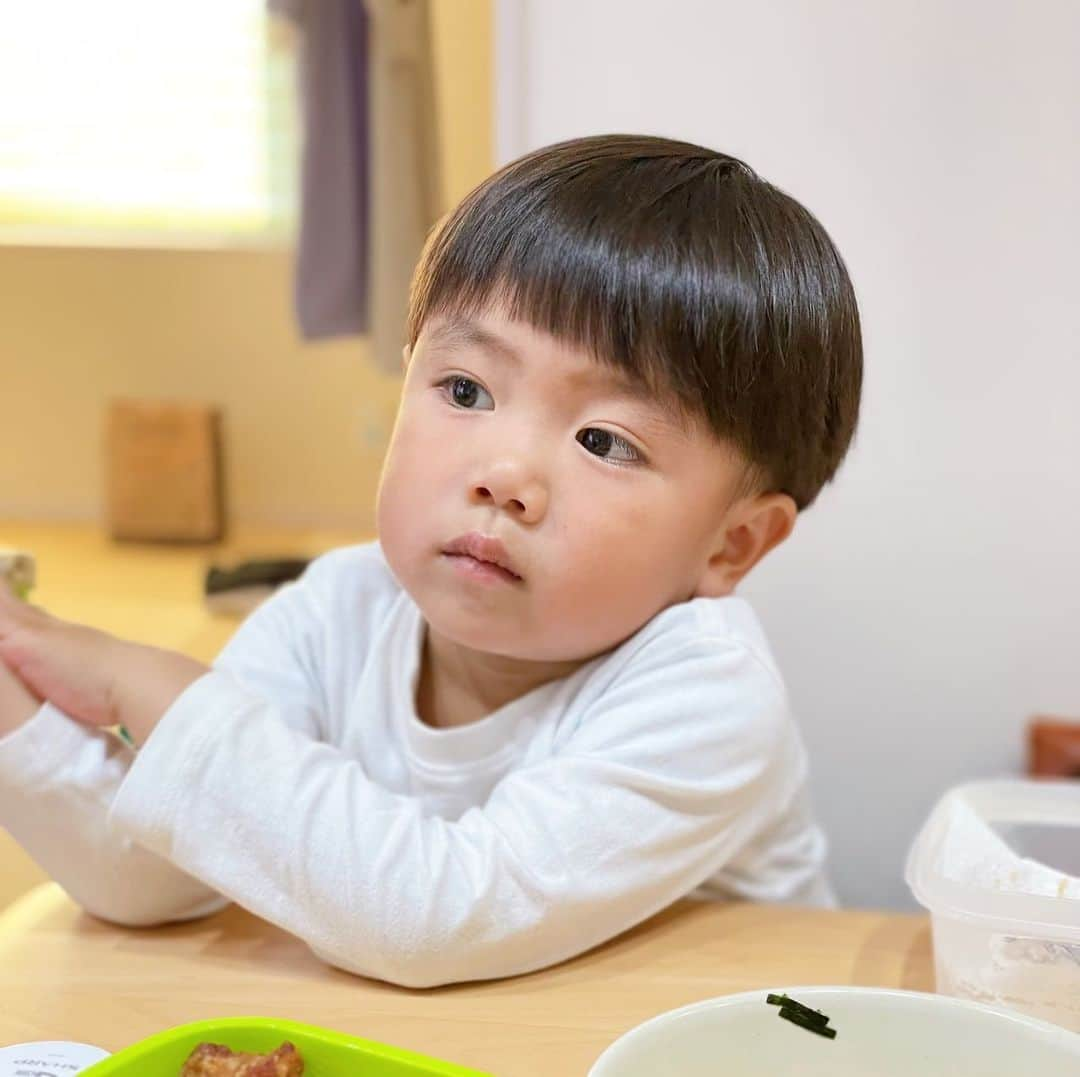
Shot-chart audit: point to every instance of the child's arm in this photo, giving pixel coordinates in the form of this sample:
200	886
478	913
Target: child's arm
645	802
57	782
59	777
90	675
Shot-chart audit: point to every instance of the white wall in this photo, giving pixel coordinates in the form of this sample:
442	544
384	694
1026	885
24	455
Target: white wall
929	602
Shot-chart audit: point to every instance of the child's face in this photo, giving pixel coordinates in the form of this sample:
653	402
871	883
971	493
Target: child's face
540	454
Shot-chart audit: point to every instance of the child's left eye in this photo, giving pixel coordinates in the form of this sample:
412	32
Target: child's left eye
596	440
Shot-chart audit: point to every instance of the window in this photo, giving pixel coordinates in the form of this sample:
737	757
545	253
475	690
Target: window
130	122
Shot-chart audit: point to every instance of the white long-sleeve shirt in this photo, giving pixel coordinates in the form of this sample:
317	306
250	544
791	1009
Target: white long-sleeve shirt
297	780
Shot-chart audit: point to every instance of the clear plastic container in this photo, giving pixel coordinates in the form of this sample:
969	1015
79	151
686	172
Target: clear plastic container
996	864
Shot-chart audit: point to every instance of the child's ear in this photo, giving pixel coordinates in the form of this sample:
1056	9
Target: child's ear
751	529
406	351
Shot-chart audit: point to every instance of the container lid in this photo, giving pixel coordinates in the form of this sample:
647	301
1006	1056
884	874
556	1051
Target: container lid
968	860
48	1058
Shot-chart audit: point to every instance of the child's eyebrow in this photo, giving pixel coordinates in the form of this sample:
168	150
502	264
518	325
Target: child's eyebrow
459	332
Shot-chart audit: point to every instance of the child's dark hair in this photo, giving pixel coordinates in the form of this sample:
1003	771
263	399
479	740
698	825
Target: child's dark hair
682	267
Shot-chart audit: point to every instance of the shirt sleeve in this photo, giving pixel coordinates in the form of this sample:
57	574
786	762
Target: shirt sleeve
685	758
58	778
57	781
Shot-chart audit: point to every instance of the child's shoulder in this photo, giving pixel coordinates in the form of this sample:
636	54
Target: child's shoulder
352	573
361	560
702	627
698	674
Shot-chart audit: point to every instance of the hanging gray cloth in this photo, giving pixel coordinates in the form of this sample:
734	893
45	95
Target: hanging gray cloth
369	171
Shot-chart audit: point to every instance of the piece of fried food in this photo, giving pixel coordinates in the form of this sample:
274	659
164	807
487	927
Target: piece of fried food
215	1060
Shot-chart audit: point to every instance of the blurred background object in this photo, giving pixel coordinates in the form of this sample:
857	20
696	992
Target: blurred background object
1053	748
163	472
18	571
237	589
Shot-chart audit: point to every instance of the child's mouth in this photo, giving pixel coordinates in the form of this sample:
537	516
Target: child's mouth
484	571
482	557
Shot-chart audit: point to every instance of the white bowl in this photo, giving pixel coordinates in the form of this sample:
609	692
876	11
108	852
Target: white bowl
879	1033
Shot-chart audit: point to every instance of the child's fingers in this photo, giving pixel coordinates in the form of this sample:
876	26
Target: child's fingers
69	665
15	649
24	631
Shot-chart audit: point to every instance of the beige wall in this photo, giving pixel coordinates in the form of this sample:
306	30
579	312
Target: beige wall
305	425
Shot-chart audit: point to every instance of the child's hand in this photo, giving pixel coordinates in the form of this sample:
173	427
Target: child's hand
90	675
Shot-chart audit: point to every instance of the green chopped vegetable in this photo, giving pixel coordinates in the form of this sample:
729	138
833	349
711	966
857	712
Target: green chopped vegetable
803	1016
813	1016
122	733
797	1017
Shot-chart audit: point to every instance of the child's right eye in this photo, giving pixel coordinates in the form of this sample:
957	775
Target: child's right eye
462	392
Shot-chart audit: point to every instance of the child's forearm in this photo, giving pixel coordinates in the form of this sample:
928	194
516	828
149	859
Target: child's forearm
90	675
148	681
57	783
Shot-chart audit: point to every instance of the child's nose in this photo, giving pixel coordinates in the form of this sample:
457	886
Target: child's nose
510	487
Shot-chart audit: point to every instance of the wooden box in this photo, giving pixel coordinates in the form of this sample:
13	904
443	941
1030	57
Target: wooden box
163	472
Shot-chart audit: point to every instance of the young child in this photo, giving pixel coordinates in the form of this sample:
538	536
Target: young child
535	712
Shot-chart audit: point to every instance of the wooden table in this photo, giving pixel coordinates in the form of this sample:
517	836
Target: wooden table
64	975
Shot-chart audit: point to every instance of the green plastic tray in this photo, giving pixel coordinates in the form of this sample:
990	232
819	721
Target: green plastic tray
326	1053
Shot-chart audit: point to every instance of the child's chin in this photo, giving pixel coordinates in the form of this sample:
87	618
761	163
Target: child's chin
476	634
